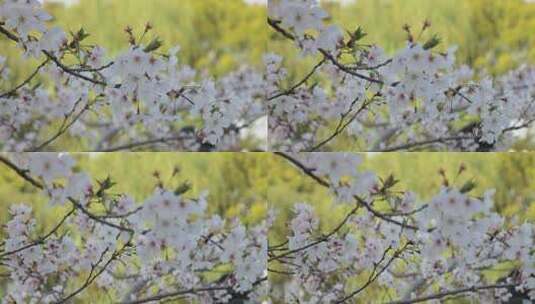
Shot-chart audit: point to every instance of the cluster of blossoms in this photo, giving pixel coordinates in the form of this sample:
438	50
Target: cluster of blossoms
417	98
139	98
414	251
168	246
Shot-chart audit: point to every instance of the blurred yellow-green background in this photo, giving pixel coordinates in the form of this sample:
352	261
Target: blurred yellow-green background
235	181
236	185
511	174
215	36
492	36
246	185
218	35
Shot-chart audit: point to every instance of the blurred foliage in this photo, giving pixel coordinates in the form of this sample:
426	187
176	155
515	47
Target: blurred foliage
512	175
240	184
236	184
491	35
215	36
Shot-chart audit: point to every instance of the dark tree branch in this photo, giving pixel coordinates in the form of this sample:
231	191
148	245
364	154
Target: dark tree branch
275	24
72	72
319	241
310	173
63	128
375	274
191	291
54	59
167	295
441	295
42	239
349	70
303	168
27	80
425	142
300	83
24	174
341	124
148	142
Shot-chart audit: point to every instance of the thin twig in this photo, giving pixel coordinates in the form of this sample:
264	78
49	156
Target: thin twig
300	83
374	275
42	239
24	174
64	127
91	278
50	56
341	125
25	82
424	142
138	144
310	173
321	240
453	292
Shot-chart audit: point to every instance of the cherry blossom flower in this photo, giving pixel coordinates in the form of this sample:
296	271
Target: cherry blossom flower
139	98
416	98
167	244
405	245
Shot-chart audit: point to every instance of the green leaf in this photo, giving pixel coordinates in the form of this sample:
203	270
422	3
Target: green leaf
355	36
82	34
155	44
390	182
359	33
105	185
432	42
78	37
468	186
183	188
